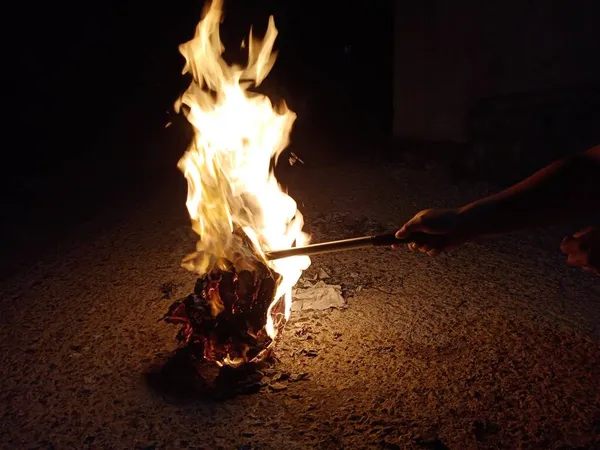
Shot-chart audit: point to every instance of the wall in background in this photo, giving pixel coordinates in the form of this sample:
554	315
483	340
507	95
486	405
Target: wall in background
453	58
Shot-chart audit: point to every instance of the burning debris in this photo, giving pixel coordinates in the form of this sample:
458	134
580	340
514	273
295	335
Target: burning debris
238	209
224	318
251	250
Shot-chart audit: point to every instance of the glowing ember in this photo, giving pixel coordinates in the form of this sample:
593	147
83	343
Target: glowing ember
234	200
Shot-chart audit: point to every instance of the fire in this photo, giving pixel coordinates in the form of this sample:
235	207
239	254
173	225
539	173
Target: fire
233	195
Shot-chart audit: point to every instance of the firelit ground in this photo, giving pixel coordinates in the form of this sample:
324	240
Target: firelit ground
493	346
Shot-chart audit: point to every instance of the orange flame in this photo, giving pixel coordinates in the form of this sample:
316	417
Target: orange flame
228	166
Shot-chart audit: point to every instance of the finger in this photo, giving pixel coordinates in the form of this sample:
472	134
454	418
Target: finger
409	227
578	259
412	246
569	245
425	248
413	225
434	252
402	233
583	232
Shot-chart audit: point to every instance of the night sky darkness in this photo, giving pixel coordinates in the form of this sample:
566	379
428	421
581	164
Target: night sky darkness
88	88
85	64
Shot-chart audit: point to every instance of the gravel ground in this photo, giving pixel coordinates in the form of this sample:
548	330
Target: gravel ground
493	346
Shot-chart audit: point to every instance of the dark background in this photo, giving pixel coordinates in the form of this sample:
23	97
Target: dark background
501	87
78	73
494	89
90	87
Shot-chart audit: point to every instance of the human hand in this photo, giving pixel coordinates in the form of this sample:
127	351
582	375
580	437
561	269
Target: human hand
583	249
440	230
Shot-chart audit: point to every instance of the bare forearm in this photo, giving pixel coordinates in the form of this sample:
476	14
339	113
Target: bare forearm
566	190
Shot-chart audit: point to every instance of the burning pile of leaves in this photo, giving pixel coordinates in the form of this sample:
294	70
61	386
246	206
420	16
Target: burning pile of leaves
224	319
237	207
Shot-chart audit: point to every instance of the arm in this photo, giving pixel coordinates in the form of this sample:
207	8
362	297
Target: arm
568	189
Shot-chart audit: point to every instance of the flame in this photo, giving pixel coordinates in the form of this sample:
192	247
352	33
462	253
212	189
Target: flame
238	136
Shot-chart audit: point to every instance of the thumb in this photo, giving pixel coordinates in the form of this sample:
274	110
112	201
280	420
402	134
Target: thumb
402	232
408	228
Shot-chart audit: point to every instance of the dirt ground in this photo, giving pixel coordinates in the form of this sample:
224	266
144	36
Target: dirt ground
493	346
